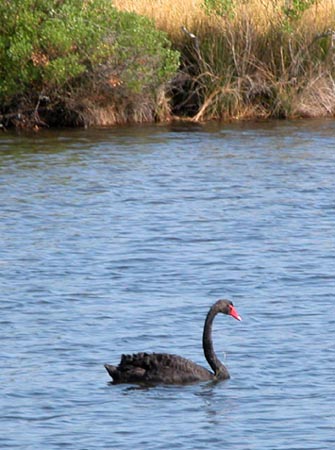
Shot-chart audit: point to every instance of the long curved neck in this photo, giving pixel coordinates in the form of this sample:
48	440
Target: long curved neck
219	369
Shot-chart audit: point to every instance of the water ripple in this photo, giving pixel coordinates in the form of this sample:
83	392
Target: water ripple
116	241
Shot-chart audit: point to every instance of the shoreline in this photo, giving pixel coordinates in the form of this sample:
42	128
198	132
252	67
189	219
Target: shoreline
245	62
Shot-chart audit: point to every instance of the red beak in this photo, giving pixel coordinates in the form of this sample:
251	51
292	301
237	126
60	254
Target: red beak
234	313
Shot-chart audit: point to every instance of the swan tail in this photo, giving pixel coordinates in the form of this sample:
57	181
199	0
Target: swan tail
113	372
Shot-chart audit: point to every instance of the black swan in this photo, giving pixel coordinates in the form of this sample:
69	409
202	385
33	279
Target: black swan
156	368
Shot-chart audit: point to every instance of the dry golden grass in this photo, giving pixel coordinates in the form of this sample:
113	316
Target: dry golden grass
171	15
255	62
168	15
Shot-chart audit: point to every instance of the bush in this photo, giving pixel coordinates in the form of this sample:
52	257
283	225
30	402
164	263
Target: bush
77	55
220	7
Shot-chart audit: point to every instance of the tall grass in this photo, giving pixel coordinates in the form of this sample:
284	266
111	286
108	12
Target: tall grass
257	58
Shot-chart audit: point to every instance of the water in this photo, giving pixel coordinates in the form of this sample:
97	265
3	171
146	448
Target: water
116	241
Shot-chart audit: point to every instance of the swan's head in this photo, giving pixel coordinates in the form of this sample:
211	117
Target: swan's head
227	307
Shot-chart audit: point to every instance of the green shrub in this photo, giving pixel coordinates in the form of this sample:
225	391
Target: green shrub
220	7
293	9
60	49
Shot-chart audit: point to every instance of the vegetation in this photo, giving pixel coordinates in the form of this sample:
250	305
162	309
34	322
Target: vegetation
248	59
99	62
80	62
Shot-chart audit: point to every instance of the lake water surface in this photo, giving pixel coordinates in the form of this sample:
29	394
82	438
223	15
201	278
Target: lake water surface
117	241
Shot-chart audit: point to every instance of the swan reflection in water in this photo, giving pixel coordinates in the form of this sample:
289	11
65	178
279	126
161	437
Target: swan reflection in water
164	368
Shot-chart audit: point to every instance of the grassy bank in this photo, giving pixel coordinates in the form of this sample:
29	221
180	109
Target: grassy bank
248	59
102	62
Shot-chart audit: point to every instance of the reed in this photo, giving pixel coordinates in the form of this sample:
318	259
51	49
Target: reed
261	58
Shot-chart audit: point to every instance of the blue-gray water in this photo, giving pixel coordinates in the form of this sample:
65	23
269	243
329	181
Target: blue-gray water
116	241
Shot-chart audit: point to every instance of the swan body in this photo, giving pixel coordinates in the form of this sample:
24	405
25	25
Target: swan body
157	368
164	368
